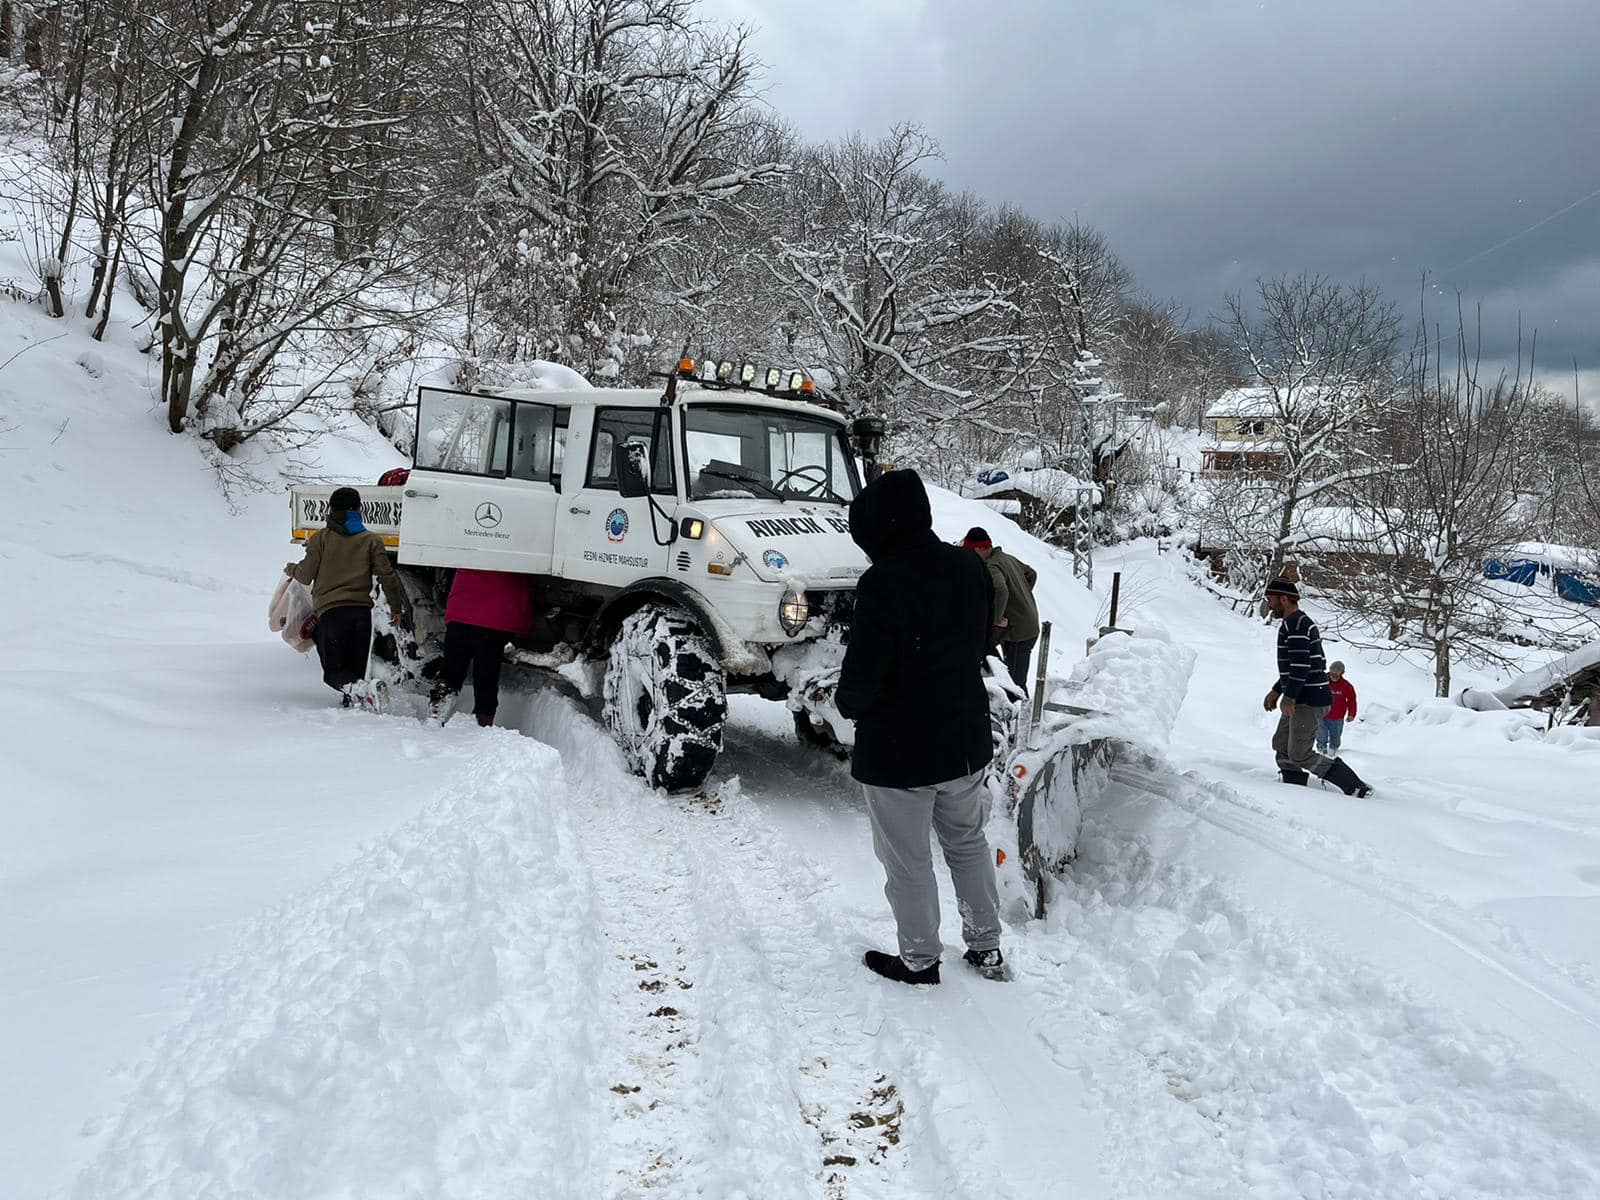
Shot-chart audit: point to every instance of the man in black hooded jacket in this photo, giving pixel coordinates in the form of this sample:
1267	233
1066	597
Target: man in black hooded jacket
912	681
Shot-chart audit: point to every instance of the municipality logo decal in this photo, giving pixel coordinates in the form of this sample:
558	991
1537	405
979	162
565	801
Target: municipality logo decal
775	560
616	525
488	515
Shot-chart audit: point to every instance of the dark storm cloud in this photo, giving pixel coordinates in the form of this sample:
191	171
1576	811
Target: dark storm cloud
1217	142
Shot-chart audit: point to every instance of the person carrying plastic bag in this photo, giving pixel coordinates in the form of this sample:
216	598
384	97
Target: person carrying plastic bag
290	613
339	566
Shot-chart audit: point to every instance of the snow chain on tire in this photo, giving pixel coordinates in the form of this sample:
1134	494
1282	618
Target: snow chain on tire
665	698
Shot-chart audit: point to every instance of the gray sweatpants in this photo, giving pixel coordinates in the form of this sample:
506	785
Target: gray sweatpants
1295	741
955	810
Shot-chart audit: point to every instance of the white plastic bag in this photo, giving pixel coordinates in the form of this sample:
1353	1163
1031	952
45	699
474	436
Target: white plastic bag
291	614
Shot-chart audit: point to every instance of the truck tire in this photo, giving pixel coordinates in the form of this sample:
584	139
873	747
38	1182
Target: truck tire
665	698
415	655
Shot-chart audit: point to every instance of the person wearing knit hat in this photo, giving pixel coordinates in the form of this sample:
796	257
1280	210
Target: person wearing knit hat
1016	614
1302	695
339	566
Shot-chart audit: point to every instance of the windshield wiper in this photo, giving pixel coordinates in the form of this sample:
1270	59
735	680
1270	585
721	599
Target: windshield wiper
739	474
828	495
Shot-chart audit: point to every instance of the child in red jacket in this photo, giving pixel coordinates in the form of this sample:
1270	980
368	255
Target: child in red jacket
485	610
1331	731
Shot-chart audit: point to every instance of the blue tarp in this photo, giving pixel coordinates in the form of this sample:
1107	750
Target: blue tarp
1516	570
1580	589
993	476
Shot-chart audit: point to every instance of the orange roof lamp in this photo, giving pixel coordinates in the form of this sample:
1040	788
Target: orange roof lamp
745	375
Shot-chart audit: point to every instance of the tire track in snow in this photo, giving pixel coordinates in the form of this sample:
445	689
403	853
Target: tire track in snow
809	1103
1007	1117
1302	1071
1223	807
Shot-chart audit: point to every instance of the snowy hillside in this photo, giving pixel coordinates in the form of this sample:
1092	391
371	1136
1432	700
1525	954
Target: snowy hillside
258	946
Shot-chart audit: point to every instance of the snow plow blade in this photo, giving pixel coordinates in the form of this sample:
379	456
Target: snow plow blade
1054	768
1125	693
1050	785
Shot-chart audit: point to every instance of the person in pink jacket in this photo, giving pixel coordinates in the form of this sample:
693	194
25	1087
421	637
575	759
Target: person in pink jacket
1331	731
485	610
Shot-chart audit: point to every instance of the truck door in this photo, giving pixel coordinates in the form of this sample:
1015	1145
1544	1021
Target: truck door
603	538
482	492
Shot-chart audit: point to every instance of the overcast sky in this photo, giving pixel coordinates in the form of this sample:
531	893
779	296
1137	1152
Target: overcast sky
1215	141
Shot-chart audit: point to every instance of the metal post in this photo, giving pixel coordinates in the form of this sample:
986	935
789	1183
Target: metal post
1116	589
1081	534
1036	710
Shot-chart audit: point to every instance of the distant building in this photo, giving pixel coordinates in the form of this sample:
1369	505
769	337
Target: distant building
1245	431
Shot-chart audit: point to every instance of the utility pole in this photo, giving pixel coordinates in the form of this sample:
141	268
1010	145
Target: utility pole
1080	534
1090	393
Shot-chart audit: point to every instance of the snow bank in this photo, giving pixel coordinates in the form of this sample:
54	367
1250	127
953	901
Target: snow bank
414	1026
1541	679
1135	684
1513	725
1574	737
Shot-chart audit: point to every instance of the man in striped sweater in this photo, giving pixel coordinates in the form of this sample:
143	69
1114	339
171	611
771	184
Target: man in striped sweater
1302	696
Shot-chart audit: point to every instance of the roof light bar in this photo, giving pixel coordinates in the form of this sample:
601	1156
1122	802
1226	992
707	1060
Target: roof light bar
730	372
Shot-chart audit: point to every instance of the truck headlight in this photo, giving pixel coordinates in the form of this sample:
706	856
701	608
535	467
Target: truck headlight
794	610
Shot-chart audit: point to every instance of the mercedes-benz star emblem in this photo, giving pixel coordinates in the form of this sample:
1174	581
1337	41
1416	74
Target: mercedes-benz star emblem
488	515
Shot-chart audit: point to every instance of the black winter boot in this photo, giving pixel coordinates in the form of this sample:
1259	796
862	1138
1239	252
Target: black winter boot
1290	775
991	964
1346	780
892	966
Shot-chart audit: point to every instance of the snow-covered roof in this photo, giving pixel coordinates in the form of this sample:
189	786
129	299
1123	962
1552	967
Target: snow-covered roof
1255	402
1570	557
1243	402
1541	679
1047	483
1325	527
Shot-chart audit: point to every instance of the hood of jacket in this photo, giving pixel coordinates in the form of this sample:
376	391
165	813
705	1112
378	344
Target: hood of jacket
346	521
892	515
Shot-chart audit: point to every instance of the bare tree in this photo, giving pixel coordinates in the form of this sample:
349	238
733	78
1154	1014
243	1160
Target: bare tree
260	113
894	308
1322	355
608	132
1447	502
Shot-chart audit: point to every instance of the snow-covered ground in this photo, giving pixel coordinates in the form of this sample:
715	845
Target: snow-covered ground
255	946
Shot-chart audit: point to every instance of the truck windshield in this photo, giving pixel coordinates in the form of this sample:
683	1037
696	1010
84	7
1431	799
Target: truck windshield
741	451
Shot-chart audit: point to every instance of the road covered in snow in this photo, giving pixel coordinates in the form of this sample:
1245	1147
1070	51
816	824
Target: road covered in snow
255	946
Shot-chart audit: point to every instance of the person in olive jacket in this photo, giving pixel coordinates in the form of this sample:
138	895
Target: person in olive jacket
912	681
339	566
1016	613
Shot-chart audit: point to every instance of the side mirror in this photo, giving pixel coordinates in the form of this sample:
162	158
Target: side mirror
632	466
868	434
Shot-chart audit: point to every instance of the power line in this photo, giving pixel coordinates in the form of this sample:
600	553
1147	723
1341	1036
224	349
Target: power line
1560	212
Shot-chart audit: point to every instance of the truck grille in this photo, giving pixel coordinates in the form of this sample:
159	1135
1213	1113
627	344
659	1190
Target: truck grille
836	607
